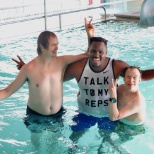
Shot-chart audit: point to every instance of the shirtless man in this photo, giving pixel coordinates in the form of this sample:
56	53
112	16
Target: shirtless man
128	106
131	106
44	75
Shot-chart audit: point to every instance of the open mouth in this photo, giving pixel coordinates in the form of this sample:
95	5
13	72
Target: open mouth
96	60
55	52
130	85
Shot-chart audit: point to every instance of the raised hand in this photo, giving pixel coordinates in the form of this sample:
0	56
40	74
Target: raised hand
113	89
90	29
19	63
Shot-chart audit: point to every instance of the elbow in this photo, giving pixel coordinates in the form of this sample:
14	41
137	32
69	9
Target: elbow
4	94
113	118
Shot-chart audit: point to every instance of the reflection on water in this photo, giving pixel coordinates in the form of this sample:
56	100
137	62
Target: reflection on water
127	41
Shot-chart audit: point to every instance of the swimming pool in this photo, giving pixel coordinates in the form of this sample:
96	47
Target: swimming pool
127	41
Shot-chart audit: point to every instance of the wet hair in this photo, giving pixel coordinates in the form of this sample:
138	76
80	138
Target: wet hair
98	39
43	39
131	67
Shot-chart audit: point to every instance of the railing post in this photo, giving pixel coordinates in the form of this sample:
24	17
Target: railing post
104	11
45	15
60	24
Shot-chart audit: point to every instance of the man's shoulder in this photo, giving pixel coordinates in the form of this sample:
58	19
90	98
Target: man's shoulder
139	99
120	62
118	67
120	88
30	65
76	68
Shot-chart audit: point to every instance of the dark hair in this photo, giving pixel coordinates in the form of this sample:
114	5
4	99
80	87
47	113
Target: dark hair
98	39
43	39
131	67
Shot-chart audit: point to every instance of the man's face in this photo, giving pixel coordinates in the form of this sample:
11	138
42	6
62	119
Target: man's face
132	78
53	45
97	54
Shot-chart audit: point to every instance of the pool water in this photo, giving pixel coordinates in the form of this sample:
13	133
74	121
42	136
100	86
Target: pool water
127	41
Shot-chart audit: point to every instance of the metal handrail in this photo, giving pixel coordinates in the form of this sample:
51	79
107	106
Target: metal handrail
62	13
53	14
74	11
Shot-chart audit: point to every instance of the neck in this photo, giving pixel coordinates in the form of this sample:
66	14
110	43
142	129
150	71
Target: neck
100	67
129	91
45	59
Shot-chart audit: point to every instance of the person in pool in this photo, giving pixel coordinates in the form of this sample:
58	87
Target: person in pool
94	76
127	104
45	77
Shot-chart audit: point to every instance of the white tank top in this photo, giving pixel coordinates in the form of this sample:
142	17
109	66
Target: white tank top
94	90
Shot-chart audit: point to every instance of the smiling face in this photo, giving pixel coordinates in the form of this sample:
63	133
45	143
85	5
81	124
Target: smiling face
53	46
132	78
97	55
47	44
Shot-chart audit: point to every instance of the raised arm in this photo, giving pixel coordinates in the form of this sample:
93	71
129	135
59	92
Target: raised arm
147	74
90	29
73	58
131	107
113	109
14	86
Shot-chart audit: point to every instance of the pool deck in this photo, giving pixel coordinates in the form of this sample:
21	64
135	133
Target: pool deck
7	31
133	12
128	16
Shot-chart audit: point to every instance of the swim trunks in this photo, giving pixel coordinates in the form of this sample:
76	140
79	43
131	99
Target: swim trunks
125	121
37	122
29	111
83	121
132	130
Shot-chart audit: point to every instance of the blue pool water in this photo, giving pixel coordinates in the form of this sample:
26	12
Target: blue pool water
127	41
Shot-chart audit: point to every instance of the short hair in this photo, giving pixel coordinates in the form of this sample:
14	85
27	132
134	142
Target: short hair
43	39
132	67
98	39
